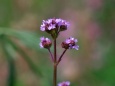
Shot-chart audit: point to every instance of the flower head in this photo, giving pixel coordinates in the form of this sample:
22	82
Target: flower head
66	83
70	43
51	24
54	26
45	43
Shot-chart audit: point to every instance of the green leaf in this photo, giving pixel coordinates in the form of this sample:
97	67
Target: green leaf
34	68
11	81
29	39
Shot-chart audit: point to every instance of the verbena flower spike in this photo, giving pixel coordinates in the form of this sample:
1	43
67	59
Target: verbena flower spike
54	27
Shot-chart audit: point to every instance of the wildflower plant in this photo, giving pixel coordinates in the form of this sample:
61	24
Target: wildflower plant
54	27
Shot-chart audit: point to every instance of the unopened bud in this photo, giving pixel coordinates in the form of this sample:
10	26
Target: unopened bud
45	43
70	43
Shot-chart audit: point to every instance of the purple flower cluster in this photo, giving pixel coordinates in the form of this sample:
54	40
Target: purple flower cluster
45	43
67	83
50	24
70	43
54	27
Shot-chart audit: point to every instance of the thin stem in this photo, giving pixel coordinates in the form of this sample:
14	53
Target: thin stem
61	56
55	75
55	66
52	58
55	58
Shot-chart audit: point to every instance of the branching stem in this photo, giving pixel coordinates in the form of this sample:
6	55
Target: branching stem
60	58
52	57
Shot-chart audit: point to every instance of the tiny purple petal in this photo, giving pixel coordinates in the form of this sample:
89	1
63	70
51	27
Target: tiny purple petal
66	83
42	38
45	42
72	38
76	40
41	46
52	26
53	23
67	41
42	28
47	39
58	20
67	24
70	43
62	22
76	47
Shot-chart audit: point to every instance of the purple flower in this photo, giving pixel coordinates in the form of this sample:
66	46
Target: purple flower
45	43
66	83
70	43
50	24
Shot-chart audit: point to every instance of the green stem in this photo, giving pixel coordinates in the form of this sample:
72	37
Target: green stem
60	58
55	58
55	66
55	75
52	58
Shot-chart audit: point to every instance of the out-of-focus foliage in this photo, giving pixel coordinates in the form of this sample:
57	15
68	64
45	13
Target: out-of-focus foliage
23	63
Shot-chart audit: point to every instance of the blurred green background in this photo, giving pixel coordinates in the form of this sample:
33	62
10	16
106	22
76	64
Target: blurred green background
23	63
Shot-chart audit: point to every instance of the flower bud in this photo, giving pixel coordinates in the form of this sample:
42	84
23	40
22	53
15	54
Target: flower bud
45	43
63	25
70	43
